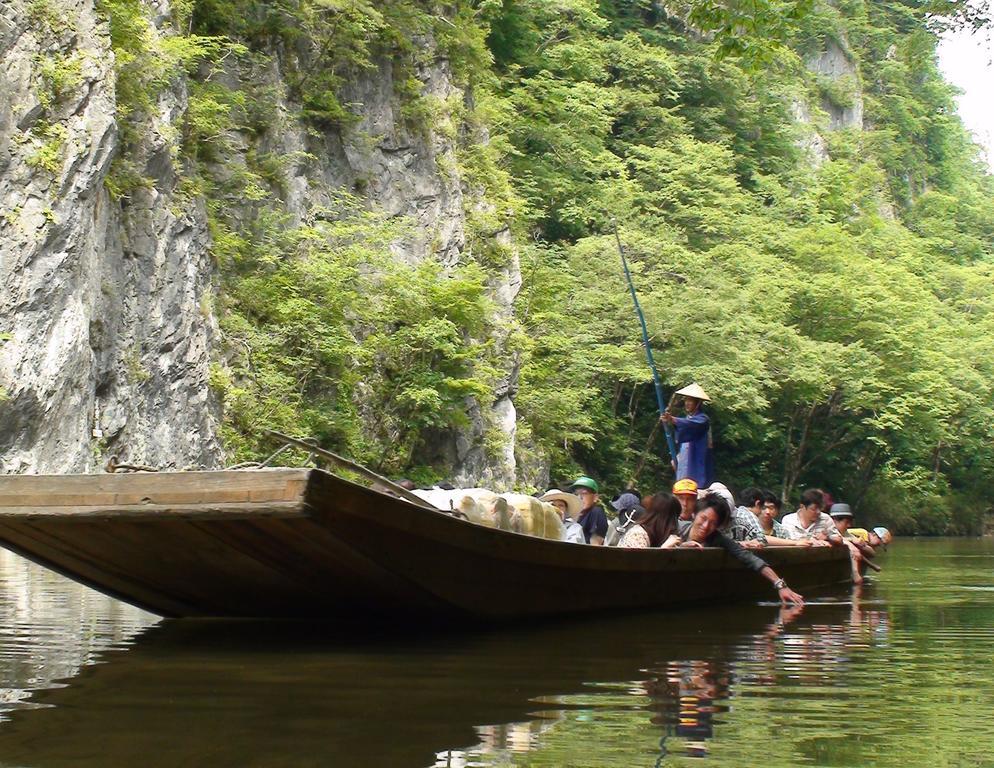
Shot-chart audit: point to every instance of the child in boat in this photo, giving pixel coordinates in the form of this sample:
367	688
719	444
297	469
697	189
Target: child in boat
592	517
742	524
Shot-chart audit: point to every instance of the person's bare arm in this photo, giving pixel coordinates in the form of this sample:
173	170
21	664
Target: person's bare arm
787	595
776	541
865	549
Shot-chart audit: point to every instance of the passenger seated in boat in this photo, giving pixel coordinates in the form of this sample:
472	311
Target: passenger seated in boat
859	533
769	511
752	499
568	505
658	527
630	509
809	522
742	524
705	531
842	516
686	493
592	517
775	535
885	536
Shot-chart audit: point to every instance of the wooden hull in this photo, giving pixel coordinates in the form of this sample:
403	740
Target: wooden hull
305	543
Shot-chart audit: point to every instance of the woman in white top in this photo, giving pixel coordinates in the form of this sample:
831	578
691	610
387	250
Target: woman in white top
658	527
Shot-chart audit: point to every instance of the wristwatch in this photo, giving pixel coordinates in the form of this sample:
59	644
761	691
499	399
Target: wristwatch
779	584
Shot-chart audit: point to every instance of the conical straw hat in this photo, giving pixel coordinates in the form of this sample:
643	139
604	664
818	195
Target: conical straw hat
694	390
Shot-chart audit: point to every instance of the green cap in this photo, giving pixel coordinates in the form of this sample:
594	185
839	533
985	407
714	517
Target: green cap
585	482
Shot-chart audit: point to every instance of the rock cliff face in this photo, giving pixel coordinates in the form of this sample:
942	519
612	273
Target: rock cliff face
106	304
841	101
405	173
106	343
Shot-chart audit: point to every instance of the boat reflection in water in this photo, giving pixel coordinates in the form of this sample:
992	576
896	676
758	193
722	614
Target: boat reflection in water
620	691
688	700
50	628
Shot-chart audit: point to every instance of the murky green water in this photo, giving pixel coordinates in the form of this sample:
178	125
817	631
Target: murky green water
898	673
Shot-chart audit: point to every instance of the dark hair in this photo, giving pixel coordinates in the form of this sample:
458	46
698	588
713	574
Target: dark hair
718	504
769	497
812	496
750	497
660	518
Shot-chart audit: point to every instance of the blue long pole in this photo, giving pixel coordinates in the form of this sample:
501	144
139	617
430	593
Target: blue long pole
660	400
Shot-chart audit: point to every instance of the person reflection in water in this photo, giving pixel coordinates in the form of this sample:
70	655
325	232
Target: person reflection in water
696	690
703	531
701	687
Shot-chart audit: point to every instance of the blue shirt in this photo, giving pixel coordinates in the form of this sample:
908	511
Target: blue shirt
694	455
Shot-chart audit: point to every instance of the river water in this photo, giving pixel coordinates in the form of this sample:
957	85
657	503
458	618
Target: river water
896	673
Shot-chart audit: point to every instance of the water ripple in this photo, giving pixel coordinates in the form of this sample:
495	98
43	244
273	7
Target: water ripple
891	675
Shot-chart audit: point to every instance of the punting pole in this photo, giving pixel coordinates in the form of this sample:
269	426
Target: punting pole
344	463
660	400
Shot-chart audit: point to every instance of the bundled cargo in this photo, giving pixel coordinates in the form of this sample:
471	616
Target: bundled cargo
516	512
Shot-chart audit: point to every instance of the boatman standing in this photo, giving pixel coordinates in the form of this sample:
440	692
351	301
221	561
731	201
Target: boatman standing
693	437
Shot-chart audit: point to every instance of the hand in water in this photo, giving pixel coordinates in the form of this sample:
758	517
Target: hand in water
787	596
789	612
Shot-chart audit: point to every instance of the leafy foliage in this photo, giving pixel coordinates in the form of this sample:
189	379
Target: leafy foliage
816	299
828	282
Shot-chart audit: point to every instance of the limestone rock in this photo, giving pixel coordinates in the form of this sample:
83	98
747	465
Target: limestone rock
107	330
106	346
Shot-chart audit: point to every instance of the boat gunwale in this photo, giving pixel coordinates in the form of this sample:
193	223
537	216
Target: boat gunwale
411	556
311	489
496	543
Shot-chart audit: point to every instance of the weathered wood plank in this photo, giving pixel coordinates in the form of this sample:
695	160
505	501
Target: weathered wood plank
53	553
209	511
348	580
167	562
152	488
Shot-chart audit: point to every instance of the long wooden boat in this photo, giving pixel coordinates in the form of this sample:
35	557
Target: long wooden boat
307	543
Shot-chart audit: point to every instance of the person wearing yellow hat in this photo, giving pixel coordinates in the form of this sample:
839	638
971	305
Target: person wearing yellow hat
686	493
693	437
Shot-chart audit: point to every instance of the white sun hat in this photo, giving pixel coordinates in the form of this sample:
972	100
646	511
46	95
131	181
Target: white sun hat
573	503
